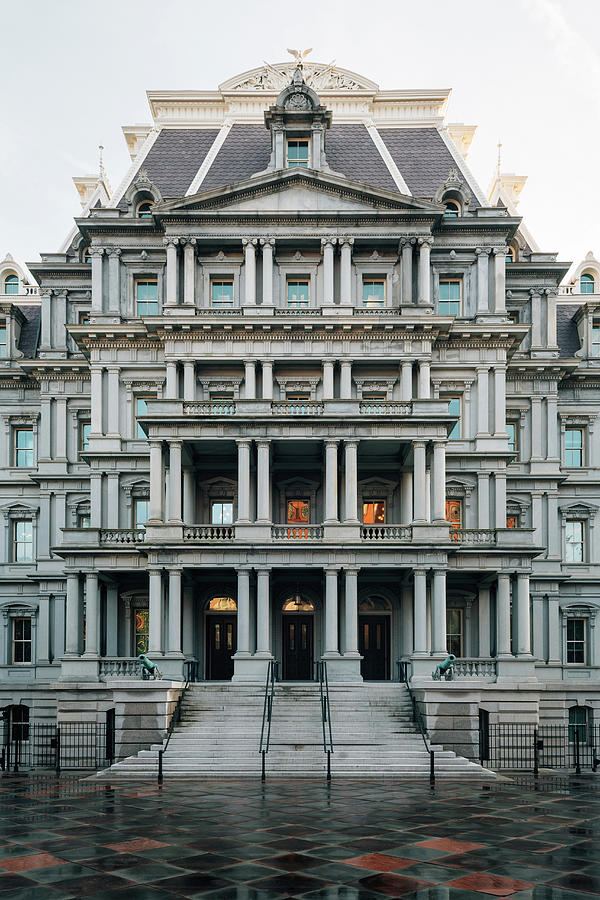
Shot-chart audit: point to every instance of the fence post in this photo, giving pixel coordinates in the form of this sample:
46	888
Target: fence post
57	750
263	774
17	755
432	767
328	765
577	760
536	746
160	766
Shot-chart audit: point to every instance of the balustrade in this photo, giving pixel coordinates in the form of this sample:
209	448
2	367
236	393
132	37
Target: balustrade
294	533
120	667
384	408
297	408
209	533
473	535
212	408
386	533
467	667
122	535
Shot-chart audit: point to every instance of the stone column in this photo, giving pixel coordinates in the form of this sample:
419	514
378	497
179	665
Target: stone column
174	612
553	630
500	280
112	500
189	380
263	482
171	243
43	631
114	398
114	281
439	482
328	379
406	498
267	271
406	385
45	429
243	616
425	244
420	504
420	611
500	401
155	612
331	482
243	481
483	500
424	382
189	496
351	482
523	616
171	380
189	272
61	428
483	427
536	319
327	246
438	638
346	379
175	448
112	620
250	270
250	379
72	615
267	379
536	428
92	644
551	319
97	301
351	613
96	518
483	256
552	425
263	612
331	612
157	481
503	616
346	271
96	404
500	499
406	245
484	621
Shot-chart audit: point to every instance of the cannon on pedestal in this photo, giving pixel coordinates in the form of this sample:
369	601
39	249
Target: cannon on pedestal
149	668
444	669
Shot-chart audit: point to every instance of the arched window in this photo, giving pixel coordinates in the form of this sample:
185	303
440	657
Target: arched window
511	255
586	284
85	255
222	604
374	604
144	210
11	284
297	603
452	209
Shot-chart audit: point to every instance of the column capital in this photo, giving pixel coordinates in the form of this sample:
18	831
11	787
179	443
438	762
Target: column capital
243	442
243	570
349	241
351	442
175	443
329	240
331	443
93	251
112	369
482	251
171	240
422	572
267	242
534	292
250	362
266	362
438	570
346	362
406	241
332	570
419	444
174	570
426	241
263	570
113	251
263	442
189	241
252	242
352	570
500	251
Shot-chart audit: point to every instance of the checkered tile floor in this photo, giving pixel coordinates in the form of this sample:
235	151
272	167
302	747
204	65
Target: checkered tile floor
351	840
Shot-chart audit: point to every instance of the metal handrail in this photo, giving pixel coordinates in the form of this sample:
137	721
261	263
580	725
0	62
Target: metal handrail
418	720
265	731
175	717
325	713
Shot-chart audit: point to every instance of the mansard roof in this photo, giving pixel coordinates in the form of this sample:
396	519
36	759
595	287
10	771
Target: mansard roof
567	336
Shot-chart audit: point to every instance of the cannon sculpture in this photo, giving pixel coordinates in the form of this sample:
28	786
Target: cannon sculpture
445	669
149	668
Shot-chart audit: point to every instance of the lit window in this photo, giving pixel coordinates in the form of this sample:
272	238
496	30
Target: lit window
454	404
23	540
373	292
146	297
574	447
11	284
576	640
141	512
141	409
3	343
512	430
298	292
222	604
221	292
454	513
84	317
84	520
510	255
374	512
452	209
142	630
24	447
297	395
454	631
596	339
298	512
297	153
586	284
450	296
512	520
21	640
574	539
84	436
221	512
144	210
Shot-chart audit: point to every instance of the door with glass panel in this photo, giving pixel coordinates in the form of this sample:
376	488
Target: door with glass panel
221	639
297	647
374	647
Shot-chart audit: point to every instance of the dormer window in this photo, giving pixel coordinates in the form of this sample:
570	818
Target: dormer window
3	341
452	209
586	284
144	210
11	284
297	153
511	255
595	338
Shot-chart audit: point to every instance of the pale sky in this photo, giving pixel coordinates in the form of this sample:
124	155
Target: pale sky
526	72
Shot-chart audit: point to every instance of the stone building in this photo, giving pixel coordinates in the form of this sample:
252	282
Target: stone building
297	388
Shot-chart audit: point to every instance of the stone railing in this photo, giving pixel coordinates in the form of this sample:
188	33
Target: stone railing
386	533
467	667
299	311
297	408
212	408
297	533
212	533
384	408
120	667
122	535
375	311
473	536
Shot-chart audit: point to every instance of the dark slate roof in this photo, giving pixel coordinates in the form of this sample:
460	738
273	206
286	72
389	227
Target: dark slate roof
30	331
351	152
245	152
423	159
174	159
566	330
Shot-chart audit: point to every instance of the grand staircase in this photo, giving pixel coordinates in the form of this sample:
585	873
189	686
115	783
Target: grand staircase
373	735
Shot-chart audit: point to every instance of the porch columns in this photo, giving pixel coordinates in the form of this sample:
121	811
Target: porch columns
189	380
250	379
500	280
438	482
175	481
419	505
267	379
500	499
483	427
72	615
483	500
503	616
97	254
346	271
425	244
174	646
331	482
243	616
243	481
351	482
92	645
171	380
263	612
424	382
250	270
157	478
420	611
345	379
484	621
438	638
96	398
328	379
113	401
331	612
267	272
500	401
189	260
155	612
406	386
171	243
327	245
263	485
351	613
406	244
523	615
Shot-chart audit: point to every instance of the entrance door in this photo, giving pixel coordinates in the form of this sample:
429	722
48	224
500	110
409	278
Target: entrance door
297	648
374	646
221	644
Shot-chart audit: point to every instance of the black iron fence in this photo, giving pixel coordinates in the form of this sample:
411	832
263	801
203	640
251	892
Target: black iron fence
534	747
44	745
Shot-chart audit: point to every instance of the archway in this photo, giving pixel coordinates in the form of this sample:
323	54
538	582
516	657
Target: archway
221	637
297	636
374	637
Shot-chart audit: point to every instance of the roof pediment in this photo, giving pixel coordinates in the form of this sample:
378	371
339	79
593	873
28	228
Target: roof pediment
298	190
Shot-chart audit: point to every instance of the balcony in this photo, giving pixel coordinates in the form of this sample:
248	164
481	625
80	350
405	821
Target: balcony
481	668
265	409
471	536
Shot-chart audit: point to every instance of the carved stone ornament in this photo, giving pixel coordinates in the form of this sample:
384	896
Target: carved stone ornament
318	76
297	101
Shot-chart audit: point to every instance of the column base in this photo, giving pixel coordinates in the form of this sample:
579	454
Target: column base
250	669
343	668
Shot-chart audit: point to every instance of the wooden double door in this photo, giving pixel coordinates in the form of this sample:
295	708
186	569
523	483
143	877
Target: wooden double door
221	644
374	647
297	641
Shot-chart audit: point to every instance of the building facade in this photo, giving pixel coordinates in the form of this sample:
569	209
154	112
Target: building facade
298	389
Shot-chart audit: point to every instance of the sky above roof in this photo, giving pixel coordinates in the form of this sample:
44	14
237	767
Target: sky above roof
526	73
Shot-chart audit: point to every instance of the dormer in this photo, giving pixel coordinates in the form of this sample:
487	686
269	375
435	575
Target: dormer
298	124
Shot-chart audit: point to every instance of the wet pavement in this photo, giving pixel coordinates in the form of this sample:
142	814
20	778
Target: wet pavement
350	840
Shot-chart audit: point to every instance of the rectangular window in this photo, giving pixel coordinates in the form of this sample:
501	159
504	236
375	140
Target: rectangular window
574	538
512	430
374	512
21	640
454	631
141	510
450	296
298	153
298	294
221	512
222	395
374	395
298	512
576	641
512	521
142	630
221	293
84	435
574	447
595	339
84	317
454	405
146	297
24	447
373	292
23	540
297	395
454	513
84	520
3	344
141	408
